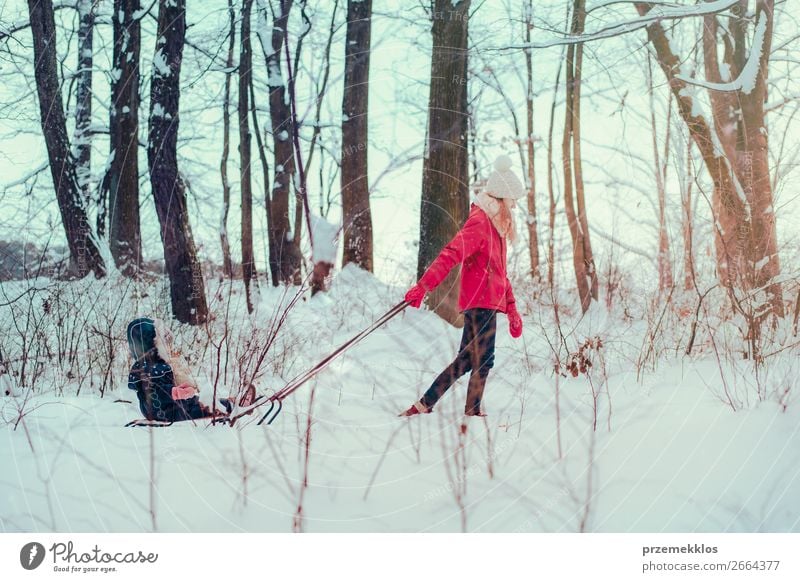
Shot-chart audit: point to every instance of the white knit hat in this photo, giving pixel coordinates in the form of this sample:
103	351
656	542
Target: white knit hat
503	183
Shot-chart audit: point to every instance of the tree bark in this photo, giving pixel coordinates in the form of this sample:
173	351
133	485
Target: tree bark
249	272
551	215
445	170
84	253
580	190
357	218
744	217
262	155
169	191
752	164
122	179
577	220
531	220
664	259
284	255
82	139
688	221
227	263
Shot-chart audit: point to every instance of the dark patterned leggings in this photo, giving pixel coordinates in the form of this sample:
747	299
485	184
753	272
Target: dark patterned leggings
476	354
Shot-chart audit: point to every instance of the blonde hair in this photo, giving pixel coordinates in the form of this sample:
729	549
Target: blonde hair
499	212
164	343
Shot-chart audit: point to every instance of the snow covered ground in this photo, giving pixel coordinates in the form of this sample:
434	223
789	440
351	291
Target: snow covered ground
671	452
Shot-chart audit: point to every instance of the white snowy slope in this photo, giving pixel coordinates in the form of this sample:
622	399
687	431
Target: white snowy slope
668	454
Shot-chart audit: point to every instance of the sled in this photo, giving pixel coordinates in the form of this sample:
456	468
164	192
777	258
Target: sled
258	402
151	423
275	401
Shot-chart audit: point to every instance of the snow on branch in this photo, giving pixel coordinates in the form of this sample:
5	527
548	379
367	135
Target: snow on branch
20	181
7	30
626	247
659	12
746	81
608	3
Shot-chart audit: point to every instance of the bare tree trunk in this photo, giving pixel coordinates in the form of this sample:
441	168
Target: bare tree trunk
580	197
531	221
169	191
582	260
551	223
322	88
227	263
262	154
249	272
355	106
84	254
297	230
122	179
763	265
302	205
284	254
744	217
445	170
688	221
664	259
82	140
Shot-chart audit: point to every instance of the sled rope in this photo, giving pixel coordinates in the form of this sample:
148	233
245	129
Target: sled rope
306	376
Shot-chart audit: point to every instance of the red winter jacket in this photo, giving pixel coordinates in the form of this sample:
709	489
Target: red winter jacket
481	251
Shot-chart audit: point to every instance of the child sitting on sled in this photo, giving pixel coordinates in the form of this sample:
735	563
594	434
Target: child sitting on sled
164	386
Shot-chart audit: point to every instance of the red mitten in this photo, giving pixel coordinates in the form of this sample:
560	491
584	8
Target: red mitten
514	322
415	295
183	392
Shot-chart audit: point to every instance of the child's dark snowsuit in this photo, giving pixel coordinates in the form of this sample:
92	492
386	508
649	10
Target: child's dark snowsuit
476	354
152	378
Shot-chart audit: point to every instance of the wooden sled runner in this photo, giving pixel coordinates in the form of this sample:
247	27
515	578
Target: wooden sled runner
151	423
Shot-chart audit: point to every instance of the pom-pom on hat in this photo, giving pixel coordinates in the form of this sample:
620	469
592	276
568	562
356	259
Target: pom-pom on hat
503	183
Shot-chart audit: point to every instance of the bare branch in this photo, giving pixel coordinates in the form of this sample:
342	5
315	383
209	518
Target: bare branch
658	13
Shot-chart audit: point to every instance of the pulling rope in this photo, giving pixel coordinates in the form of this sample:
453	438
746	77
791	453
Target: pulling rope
276	399
307	375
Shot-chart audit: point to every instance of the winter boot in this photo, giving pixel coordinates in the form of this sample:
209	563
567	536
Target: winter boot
477	382
416	408
247	399
474	413
227	403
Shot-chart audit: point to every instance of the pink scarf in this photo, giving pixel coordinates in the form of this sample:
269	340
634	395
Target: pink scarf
499	212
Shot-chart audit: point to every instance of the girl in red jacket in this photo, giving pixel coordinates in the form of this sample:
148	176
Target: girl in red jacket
480	248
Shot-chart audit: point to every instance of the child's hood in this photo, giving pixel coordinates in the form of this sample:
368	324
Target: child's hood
141	337
152	337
